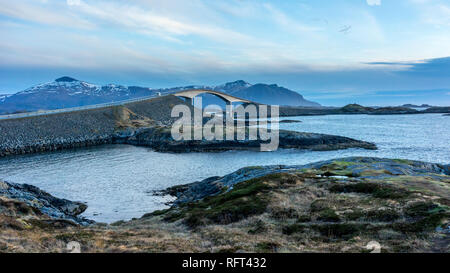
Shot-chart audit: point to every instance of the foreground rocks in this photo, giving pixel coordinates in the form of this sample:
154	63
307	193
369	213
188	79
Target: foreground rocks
27	199
332	206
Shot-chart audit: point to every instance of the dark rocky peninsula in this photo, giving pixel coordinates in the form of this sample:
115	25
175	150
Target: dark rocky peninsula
159	139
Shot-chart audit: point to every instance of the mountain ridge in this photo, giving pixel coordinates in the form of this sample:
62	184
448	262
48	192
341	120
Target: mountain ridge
65	92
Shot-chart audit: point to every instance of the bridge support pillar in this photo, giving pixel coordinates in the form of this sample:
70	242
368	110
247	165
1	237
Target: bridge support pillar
229	108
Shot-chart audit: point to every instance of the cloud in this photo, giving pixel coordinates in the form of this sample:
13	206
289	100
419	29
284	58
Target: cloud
42	14
169	26
286	22
73	2
373	2
201	36
437	67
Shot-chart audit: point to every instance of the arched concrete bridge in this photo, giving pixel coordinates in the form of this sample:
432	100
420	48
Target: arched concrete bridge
189	95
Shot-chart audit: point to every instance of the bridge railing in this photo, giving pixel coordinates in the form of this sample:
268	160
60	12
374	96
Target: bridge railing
78	108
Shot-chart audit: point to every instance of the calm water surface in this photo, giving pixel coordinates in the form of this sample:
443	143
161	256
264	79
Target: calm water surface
116	181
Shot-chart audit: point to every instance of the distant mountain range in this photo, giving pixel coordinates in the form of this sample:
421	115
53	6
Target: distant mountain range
67	92
417	106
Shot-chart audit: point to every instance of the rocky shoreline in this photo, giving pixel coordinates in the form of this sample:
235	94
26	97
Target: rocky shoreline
355	167
24	198
356	109
332	206
159	139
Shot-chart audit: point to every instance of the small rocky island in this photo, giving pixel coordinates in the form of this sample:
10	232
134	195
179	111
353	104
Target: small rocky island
331	206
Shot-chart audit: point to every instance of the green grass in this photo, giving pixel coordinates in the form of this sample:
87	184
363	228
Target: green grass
343	164
424	216
266	247
284	213
421	209
403	161
81	236
375	189
304	219
344	230
338	168
383	215
258	227
245	199
355	215
428	223
328	215
294	228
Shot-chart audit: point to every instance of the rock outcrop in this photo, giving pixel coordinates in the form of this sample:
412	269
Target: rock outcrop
30	198
354	167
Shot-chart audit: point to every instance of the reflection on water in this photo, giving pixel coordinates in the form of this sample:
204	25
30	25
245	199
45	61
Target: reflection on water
116	181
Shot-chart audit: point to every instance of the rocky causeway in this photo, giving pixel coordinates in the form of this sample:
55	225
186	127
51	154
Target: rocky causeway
144	123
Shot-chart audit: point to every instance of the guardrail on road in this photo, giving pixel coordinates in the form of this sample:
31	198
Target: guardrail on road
74	109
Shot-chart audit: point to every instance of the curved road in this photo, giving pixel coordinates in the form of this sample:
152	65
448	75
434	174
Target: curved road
73	109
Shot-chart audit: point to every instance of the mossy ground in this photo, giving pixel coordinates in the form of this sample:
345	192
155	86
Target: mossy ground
245	199
299	211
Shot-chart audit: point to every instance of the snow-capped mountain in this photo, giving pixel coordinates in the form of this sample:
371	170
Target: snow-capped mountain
67	92
262	93
72	87
232	87
3	97
273	94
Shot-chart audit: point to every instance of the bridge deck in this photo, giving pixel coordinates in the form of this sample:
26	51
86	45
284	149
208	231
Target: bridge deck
190	94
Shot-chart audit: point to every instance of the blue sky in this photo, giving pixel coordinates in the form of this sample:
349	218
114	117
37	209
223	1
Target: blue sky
334	52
